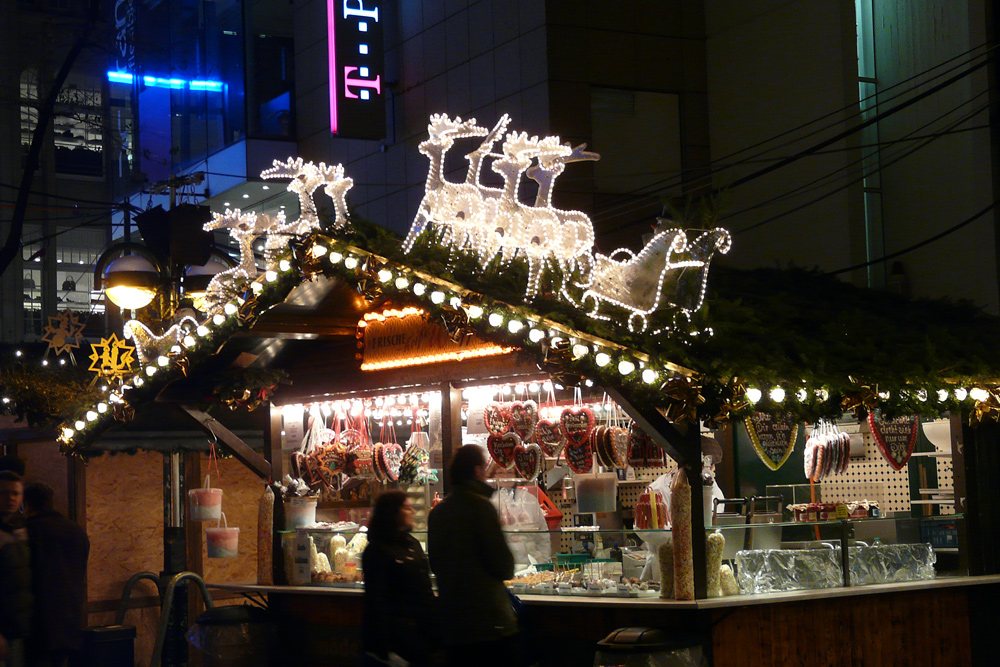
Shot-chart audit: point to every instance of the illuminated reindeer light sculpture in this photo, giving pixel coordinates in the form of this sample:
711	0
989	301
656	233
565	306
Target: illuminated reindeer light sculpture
306	178
244	228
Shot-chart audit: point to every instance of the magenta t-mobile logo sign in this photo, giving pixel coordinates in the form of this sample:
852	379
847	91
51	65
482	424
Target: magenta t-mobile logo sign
357	107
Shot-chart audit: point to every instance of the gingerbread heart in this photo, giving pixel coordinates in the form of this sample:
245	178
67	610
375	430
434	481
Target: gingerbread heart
619	446
497	418
577	425
580	457
502	447
599	442
524	418
392	458
549	437
528	460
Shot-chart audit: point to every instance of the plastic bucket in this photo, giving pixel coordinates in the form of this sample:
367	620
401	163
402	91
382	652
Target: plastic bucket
596	493
300	512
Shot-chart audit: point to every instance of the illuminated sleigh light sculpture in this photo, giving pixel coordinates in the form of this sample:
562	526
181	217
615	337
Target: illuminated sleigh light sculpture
655	279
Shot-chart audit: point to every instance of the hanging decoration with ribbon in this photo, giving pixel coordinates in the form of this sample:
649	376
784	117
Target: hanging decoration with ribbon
895	437
773	438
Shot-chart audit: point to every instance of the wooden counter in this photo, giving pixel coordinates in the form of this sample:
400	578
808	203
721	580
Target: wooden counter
946	621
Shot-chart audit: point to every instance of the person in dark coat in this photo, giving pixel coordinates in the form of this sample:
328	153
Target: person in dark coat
471	559
59	552
399	625
15	572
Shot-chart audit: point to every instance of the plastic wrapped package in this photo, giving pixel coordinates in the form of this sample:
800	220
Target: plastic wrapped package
771	570
715	545
680	510
728	581
265	545
665	553
889	563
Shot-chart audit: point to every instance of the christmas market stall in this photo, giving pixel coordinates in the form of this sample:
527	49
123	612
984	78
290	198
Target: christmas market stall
740	457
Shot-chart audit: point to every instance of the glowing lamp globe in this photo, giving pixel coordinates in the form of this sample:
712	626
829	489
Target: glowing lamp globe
197	278
131	282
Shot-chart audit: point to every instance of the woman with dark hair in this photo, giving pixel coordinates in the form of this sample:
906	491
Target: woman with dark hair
399	619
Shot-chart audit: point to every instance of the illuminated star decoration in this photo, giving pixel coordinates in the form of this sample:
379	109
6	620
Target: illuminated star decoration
111	358
63	332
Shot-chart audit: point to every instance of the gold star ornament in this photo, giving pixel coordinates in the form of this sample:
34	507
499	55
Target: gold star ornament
111	358
63	332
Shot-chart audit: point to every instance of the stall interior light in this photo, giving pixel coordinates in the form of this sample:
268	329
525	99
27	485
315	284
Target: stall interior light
168	82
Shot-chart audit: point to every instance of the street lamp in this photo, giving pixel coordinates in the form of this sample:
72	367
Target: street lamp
133	280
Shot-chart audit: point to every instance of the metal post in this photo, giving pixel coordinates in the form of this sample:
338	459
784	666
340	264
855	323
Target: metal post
175	653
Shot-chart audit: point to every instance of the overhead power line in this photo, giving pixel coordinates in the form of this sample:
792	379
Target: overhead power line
937	237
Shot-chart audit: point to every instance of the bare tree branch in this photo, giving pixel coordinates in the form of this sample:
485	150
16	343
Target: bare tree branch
46	111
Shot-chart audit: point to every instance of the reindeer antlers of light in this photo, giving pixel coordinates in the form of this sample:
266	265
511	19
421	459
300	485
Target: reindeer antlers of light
442	126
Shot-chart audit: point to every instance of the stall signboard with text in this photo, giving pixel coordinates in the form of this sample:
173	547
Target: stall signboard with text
407	338
357	87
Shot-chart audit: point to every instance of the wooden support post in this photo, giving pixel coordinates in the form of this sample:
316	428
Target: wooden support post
241	450
451	428
272	443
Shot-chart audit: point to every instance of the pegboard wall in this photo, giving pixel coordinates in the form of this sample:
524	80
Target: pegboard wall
629	492
870	478
946	480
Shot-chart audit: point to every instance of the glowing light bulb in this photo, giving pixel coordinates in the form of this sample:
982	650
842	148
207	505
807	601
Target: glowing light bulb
884	395
202	330
150	371
162	361
496	319
580	351
351	262
961	394
777	394
419	289
978	394
319	250
922	395
189	341
802	395
91	415
218	319
475	312
649	376
385	275
284	265
270	276
230	309
625	367
102	407
535	335
533	387
138	381
602	359
942	395
754	394
68	433
514	326
437	298
80	425
402	283
335	257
